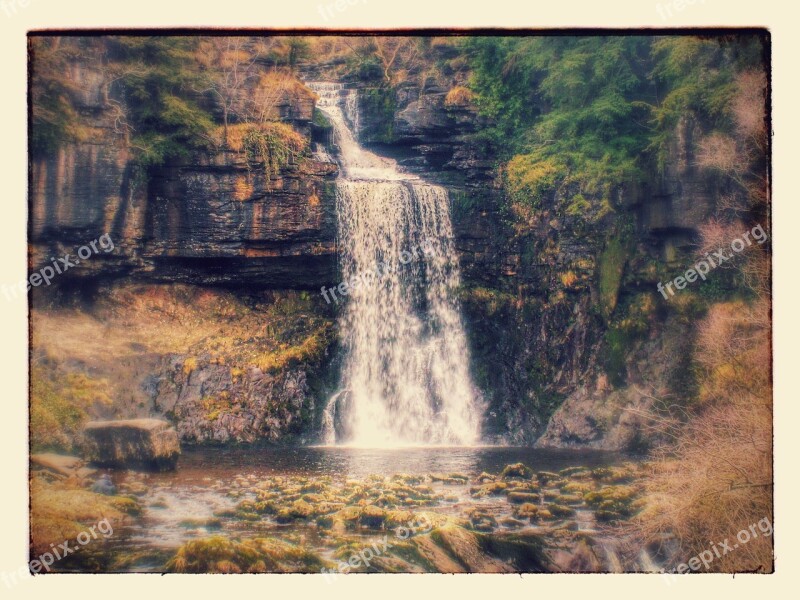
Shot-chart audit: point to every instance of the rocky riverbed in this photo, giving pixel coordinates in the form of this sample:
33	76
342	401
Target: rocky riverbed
306	510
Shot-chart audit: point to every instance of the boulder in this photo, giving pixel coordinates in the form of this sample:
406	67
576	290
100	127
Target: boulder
142	443
61	465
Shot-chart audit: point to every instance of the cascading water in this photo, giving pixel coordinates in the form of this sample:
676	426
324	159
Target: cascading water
405	378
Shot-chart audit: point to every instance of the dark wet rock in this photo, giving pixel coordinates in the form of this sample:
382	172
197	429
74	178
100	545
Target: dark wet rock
144	443
325	521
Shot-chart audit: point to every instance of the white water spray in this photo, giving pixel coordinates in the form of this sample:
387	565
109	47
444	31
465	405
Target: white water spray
405	378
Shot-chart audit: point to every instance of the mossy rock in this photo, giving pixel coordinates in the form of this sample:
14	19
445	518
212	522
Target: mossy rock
300	509
512	523
129	506
497	488
614	502
572	470
526	511
284	516
218	554
576	487
613	474
449	479
571	499
407	479
561	511
372	517
545	477
523	497
312	498
551	494
517	470
482	519
204	522
325	522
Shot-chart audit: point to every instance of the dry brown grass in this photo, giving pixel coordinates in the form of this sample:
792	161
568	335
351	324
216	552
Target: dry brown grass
718	151
459	96
60	511
716	479
125	336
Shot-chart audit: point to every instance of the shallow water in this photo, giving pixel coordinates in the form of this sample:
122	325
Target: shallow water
209	482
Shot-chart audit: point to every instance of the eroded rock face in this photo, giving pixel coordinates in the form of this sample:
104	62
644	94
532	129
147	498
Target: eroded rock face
598	416
210	405
214	219
147	443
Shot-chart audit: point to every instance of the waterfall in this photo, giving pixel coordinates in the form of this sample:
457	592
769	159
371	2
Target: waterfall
405	377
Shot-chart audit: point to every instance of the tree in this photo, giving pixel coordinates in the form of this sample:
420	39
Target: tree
231	62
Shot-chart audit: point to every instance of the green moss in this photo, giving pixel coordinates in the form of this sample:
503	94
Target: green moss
320	120
218	554
59	404
578	206
611	265
273	145
380	103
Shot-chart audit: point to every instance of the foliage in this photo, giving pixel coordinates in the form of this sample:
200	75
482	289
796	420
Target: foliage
273	145
159	82
59	407
528	177
381	102
53	116
459	96
611	264
591	110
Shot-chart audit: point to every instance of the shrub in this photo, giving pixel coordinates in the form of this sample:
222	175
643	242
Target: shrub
459	96
528	177
273	145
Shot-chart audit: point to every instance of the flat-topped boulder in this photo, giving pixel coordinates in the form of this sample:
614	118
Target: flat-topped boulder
61	465
138	443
